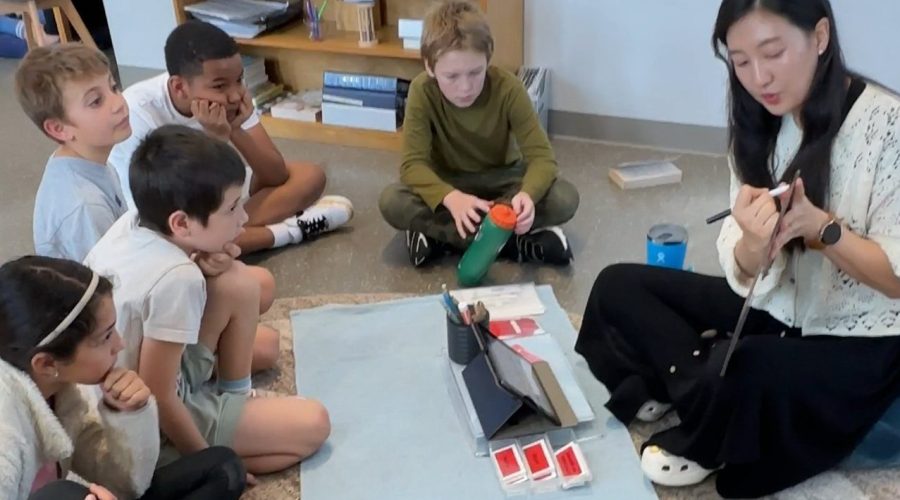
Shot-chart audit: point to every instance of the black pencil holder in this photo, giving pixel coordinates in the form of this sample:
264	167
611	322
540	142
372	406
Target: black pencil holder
462	345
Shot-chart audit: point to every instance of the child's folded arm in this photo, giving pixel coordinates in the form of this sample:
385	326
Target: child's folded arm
541	168
160	364
116	449
416	170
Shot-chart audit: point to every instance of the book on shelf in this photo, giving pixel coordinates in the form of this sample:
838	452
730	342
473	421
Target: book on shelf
365	82
248	27
267	92
236	10
293	107
346	115
367	98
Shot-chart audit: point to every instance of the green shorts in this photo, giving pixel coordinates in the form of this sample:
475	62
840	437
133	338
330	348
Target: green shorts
216	415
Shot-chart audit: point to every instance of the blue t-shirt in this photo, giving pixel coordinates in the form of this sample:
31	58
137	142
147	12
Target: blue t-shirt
77	201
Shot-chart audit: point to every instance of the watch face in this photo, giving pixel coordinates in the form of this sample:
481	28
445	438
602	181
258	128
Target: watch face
832	233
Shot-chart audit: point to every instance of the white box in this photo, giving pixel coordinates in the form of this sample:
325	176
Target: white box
410	28
412	43
360	117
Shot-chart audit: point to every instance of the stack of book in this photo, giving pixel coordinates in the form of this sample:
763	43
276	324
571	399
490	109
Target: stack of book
410	31
245	18
257	82
363	101
297	108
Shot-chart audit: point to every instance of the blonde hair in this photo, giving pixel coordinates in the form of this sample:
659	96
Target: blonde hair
43	73
455	25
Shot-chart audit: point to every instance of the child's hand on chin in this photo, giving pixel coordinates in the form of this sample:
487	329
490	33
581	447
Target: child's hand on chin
124	390
214	264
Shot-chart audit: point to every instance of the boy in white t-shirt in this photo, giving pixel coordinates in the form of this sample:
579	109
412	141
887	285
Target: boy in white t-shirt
203	89
180	320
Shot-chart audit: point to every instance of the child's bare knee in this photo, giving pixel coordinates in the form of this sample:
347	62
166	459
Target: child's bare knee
266	287
266	349
239	283
316	426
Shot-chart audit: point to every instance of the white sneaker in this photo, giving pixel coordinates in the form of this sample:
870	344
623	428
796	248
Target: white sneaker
326	214
668	470
652	410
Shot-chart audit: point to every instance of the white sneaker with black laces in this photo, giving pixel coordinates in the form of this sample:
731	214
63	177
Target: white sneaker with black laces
327	214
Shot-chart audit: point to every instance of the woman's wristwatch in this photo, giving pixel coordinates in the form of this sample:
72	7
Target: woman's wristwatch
829	234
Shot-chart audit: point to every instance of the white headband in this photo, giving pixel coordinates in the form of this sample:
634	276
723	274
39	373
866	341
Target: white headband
88	293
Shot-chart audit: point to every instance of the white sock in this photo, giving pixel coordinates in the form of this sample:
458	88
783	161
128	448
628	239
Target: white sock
285	234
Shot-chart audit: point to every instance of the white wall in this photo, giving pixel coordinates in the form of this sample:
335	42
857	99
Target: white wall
652	60
139	29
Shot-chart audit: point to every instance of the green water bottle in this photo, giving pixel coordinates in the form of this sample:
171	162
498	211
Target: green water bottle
495	229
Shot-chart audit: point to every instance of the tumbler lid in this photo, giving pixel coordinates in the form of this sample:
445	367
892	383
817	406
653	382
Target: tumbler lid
667	234
503	216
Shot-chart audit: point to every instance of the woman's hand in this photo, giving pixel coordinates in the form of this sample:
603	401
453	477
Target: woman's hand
803	220
756	213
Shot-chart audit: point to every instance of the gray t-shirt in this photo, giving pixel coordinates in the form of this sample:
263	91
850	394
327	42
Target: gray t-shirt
77	202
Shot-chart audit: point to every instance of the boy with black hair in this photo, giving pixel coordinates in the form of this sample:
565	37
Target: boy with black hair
203	89
179	321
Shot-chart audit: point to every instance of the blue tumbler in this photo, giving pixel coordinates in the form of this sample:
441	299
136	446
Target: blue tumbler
667	246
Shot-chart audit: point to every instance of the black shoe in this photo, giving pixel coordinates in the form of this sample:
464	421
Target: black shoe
546	246
422	249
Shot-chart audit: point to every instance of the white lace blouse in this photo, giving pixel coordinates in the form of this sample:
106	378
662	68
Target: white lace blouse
805	289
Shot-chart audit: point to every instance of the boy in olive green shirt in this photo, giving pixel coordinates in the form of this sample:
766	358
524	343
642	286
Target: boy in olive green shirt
471	137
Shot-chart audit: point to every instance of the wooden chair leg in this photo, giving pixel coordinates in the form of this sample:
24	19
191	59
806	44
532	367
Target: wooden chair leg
62	26
30	35
37	27
83	33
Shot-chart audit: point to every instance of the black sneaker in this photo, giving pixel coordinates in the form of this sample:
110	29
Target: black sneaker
546	246
422	249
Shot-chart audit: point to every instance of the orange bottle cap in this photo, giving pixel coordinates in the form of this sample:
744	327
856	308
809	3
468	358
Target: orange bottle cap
503	216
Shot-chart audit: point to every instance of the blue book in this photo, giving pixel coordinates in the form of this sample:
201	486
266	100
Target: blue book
366	98
377	83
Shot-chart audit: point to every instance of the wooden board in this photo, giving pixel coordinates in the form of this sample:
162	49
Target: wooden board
330	134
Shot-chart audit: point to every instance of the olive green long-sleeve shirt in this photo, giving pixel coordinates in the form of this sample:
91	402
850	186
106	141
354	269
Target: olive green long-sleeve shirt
498	130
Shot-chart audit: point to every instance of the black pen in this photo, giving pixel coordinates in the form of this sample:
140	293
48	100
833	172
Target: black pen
725	213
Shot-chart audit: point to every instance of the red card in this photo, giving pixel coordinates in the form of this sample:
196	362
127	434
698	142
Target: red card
522	327
537	458
507	461
567	459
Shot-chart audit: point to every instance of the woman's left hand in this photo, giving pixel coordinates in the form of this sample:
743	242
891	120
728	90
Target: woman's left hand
802	220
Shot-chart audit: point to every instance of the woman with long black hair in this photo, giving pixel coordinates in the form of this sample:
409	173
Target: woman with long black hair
818	361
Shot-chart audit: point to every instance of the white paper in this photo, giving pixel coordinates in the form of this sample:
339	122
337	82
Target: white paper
504	302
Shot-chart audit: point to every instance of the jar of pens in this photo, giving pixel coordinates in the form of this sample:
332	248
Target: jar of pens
314	18
462	346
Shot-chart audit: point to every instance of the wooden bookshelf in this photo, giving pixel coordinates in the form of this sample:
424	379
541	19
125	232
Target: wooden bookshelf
298	62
